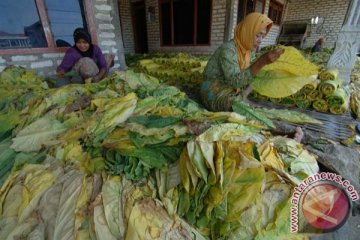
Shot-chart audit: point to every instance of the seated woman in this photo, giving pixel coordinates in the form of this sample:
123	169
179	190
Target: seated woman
319	45
232	67
84	60
229	70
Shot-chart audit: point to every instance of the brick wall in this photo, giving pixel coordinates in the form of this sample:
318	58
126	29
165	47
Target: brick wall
274	32
233	17
218	28
107	24
217	31
126	26
272	36
153	28
332	11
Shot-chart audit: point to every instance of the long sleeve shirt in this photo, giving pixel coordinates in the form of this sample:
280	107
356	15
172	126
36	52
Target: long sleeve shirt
223	66
223	79
72	56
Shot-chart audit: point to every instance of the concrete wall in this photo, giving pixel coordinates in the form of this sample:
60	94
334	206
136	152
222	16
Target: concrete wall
107	23
109	38
332	11
42	63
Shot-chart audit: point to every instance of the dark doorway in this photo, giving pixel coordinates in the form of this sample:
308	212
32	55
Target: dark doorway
138	15
248	6
185	22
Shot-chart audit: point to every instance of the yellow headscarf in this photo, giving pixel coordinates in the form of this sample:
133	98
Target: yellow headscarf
245	33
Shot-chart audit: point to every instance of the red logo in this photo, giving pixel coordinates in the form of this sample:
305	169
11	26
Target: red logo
325	206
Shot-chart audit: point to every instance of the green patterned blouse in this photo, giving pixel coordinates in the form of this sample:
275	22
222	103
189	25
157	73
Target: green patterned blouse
223	78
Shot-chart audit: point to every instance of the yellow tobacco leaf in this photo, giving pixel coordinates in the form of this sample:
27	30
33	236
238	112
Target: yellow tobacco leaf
149	221
269	156
111	197
183	170
119	139
287	75
294	62
13	201
81	211
4	191
101	227
219	162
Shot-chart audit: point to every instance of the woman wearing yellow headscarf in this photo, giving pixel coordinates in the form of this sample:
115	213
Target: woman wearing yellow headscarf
230	69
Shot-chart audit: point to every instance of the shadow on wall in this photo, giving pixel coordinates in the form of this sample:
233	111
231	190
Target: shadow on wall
36	35
62	43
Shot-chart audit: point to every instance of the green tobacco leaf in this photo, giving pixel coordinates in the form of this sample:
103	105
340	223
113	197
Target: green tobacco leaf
9	120
150	157
142	140
251	113
154	121
288	115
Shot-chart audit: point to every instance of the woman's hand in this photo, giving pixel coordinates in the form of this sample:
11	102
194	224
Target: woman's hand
60	73
271	56
96	79
265	59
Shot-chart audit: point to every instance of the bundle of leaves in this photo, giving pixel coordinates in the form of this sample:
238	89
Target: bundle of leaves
181	70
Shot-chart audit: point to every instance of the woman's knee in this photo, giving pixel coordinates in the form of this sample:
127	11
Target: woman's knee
86	67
